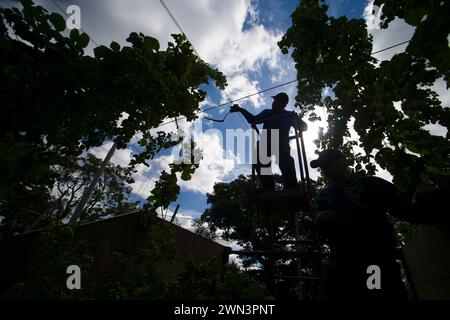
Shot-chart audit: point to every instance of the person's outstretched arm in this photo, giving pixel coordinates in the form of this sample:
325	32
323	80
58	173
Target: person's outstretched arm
252	119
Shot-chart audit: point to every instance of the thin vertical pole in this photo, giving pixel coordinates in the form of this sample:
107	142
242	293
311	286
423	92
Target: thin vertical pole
175	213
302	176
305	161
88	192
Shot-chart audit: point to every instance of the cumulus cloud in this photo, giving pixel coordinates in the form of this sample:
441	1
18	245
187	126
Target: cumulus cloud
240	85
249	50
121	157
226	34
215	28
146	177
214	165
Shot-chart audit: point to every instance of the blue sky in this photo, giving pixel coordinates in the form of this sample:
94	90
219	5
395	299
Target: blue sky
237	36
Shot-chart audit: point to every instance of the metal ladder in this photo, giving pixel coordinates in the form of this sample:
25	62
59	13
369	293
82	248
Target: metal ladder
296	202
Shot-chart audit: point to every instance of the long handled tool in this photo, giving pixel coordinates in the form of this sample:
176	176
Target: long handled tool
254	127
218	120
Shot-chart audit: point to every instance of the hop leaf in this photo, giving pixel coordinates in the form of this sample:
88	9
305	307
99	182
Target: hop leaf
58	21
83	40
151	44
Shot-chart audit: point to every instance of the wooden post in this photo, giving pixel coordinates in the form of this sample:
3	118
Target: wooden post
300	162
174	213
88	192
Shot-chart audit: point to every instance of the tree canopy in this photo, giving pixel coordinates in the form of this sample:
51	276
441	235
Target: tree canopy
389	103
58	102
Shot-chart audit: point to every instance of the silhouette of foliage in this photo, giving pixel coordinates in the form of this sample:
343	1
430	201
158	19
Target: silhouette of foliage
335	54
58	101
232	216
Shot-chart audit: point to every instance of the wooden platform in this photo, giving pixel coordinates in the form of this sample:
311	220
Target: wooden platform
284	201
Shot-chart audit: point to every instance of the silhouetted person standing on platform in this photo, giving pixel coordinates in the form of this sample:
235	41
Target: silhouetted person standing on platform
281	120
352	216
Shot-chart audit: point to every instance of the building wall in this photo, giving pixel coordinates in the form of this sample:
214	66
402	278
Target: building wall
123	234
428	260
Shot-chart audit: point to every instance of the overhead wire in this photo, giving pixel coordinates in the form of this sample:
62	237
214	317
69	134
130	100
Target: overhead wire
232	101
259	92
178	26
390	47
195	184
171	15
169	12
270	88
65	13
195	51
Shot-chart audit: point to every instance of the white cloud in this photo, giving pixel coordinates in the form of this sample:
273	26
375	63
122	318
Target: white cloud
146	177
239	85
216	29
248	50
214	165
121	157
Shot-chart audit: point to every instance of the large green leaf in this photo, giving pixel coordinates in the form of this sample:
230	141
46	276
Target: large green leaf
58	21
115	46
101	51
83	40
151	44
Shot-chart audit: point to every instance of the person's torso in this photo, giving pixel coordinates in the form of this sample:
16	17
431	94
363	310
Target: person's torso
368	233
281	121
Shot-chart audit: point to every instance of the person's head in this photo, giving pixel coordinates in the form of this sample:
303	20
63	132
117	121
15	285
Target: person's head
280	101
331	163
